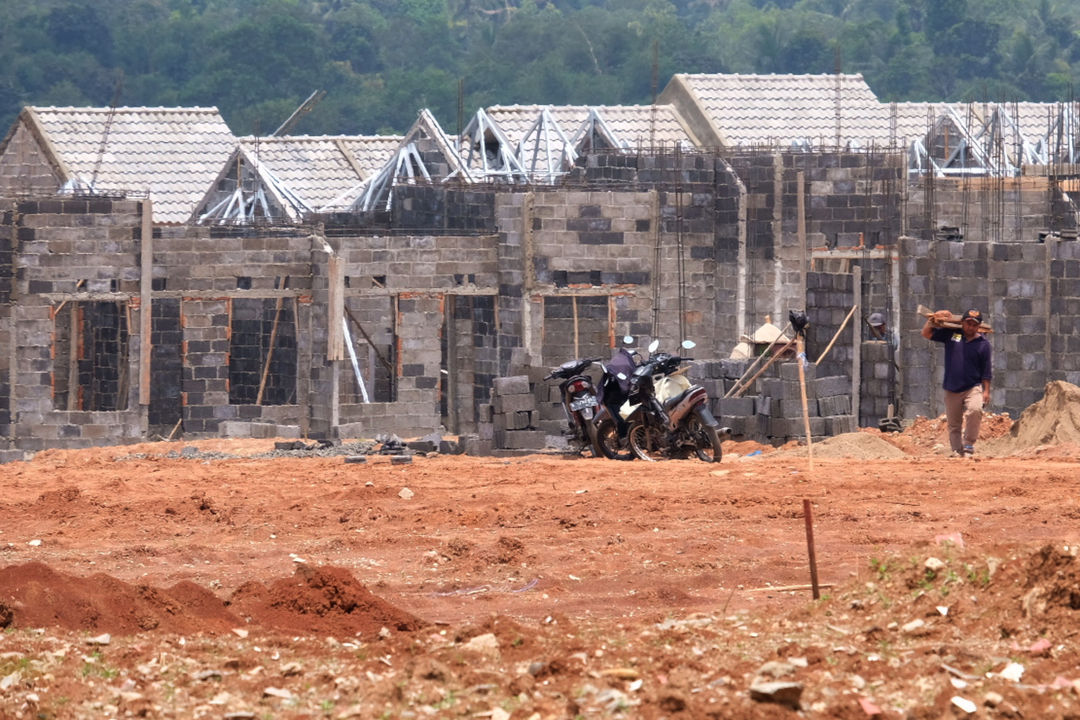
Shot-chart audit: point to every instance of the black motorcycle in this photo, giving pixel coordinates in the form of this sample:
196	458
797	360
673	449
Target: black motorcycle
670	417
579	403
611	435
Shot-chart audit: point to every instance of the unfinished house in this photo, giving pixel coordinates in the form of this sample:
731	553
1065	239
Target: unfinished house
399	314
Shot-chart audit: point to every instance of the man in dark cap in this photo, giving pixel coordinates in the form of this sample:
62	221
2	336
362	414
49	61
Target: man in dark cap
967	375
876	321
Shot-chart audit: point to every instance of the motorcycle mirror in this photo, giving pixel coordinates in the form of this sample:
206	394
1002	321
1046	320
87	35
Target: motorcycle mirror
689	344
628	339
653	345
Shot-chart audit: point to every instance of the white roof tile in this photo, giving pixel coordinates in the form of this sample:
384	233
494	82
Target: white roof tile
173	153
319	169
784	109
636	125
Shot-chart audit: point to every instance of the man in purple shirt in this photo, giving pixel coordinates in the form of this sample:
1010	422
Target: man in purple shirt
967	375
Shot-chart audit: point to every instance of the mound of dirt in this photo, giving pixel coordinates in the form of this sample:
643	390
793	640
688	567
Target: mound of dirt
325	600
1052	420
858	445
35	595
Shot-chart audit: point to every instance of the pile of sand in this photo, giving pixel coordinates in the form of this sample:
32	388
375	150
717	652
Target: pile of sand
859	445
1053	420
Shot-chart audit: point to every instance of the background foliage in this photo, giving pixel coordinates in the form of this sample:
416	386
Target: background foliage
381	61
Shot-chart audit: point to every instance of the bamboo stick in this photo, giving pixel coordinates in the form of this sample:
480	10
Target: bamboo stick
270	350
836	335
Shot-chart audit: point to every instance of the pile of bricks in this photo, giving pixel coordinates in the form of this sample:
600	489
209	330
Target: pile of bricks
771	410
878	381
514	417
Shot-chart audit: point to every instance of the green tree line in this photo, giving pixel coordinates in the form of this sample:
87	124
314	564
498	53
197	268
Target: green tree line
381	61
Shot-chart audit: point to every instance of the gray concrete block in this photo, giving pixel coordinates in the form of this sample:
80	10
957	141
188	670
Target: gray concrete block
235	429
735	406
514	403
523	440
832	385
512	385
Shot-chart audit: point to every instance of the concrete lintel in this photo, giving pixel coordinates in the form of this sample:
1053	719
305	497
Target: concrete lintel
868	254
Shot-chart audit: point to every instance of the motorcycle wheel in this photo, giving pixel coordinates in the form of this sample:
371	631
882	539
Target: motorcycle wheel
646	442
609	442
706	440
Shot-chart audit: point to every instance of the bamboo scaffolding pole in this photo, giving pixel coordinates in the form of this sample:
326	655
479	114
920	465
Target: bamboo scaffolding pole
836	335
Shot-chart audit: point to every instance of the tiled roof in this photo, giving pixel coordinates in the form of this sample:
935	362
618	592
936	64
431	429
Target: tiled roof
784	109
315	168
370	152
636	125
174	153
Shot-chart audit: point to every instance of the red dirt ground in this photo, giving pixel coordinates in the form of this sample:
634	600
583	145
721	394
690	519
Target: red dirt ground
542	586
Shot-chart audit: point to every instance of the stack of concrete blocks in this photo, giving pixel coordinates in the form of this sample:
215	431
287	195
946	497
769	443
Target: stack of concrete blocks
550	417
771	409
878	376
514	415
780	409
718	377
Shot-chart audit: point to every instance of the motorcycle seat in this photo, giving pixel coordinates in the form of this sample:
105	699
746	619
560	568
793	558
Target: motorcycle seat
673	401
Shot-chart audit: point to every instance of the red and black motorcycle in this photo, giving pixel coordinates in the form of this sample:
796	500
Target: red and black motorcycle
668	416
579	403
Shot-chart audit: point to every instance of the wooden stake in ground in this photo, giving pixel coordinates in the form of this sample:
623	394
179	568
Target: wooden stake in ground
810	548
800	359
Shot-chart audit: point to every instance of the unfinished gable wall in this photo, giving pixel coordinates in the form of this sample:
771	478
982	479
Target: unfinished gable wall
24	168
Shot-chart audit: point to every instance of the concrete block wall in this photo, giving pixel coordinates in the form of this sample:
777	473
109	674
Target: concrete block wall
988	209
440	284
829	297
451	209
7	346
1027	291
224	280
68	250
847	196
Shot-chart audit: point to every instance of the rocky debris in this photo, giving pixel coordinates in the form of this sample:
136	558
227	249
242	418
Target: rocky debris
848	655
782	693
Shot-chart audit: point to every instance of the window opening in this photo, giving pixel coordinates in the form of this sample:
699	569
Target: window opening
262	352
90	356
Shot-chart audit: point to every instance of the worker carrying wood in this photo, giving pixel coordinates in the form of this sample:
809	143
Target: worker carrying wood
968	360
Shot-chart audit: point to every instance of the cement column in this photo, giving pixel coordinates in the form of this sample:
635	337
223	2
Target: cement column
856	343
777	237
743	273
800	229
146	261
528	279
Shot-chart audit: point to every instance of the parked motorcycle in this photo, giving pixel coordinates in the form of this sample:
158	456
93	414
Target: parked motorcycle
668	416
579	403
611	443
610	426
